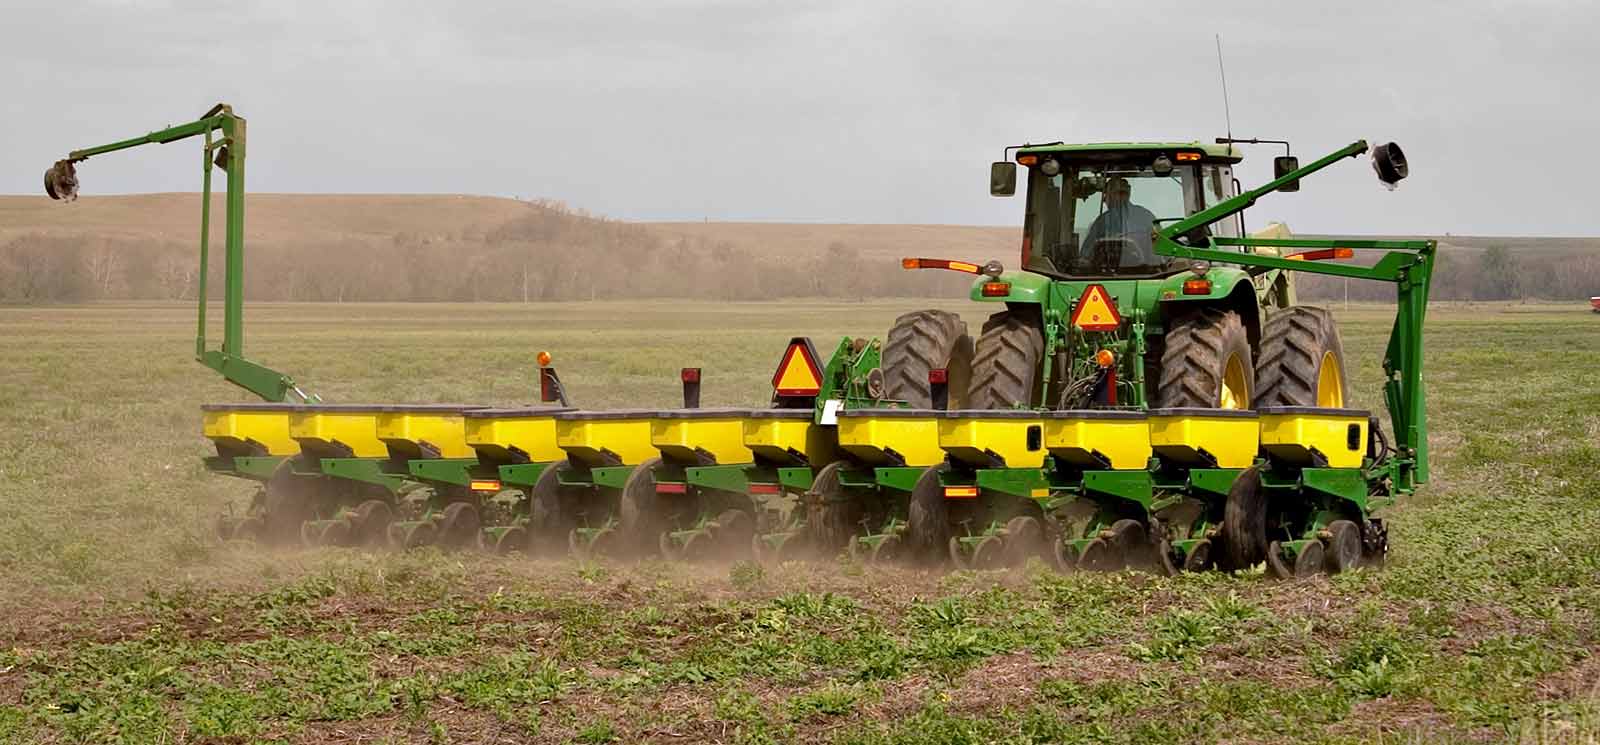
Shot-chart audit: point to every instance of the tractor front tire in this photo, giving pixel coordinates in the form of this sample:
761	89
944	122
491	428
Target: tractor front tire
1206	362
1005	369
1302	360
926	340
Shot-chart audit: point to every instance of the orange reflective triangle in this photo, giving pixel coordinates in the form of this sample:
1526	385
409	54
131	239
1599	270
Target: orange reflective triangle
1095	311
798	374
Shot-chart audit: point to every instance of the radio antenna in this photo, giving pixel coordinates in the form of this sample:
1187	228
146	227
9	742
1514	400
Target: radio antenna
1223	73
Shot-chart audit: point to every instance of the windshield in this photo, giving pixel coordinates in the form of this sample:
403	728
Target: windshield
1095	219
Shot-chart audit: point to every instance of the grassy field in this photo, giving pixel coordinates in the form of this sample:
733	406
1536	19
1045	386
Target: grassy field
123	620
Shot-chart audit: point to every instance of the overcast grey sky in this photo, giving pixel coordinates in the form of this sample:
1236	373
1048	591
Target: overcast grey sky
837	111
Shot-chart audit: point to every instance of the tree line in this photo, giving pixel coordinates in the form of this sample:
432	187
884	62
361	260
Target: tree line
552	253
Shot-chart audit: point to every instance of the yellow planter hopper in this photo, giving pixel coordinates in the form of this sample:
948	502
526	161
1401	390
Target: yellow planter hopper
1099	438
1206	438
789	436
704	436
249	429
886	437
338	430
993	438
424	430
518	435
1311	436
620	437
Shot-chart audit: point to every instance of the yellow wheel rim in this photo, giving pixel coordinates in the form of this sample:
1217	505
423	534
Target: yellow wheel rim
1330	387
1235	388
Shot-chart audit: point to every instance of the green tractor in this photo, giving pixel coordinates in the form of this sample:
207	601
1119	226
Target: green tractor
1095	317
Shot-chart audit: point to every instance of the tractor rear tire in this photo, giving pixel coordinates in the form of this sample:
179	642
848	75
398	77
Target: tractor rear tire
926	340
1302	360
1005	369
1206	362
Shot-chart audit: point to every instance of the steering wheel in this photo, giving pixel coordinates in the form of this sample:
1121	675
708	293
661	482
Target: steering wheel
1106	253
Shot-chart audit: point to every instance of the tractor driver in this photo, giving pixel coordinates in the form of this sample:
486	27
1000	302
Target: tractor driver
1123	227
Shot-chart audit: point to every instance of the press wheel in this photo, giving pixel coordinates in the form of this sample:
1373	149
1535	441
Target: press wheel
1066	557
1024	539
1309	561
511	539
1101	555
886	550
459	526
1276	563
1199	557
412	535
1132	543
371	522
1343	546
1169	559
669	549
734	531
248	529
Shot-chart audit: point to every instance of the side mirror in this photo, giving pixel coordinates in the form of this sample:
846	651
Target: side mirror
1390	163
1284	165
1002	179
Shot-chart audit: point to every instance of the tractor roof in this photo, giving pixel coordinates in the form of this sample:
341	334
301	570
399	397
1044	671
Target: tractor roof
1210	151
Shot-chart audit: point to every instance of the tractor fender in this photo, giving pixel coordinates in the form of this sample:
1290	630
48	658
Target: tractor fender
1224	279
1231	287
1026	287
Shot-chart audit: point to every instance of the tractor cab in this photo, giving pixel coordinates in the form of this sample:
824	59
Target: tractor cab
1092	209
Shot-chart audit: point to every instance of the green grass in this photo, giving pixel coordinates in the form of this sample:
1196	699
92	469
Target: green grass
122	620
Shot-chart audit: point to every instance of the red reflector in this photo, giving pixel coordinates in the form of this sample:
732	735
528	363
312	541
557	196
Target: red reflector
960	492
996	289
798	374
1197	287
938	375
765	489
1096	311
667	487
1027	250
547	385
690	374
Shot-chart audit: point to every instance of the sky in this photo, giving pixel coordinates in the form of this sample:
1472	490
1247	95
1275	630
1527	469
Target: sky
860	111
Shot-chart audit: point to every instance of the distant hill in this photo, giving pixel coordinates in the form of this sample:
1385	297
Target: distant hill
888	243
355	247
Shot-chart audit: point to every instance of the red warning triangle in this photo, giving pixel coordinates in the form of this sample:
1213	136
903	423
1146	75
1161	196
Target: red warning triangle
798	373
1096	311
